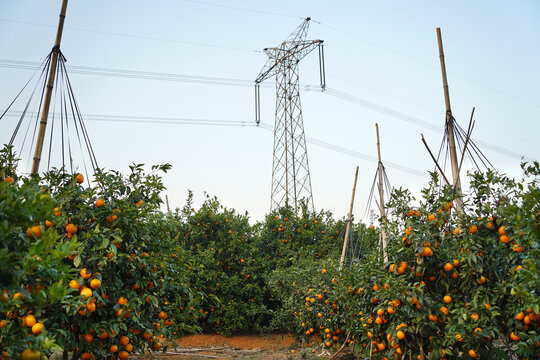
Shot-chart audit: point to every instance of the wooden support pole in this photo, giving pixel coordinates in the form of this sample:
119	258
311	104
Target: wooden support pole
434	160
450	126
167	202
347	229
48	94
381	198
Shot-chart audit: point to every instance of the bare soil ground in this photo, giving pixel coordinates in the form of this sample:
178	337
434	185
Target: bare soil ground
244	347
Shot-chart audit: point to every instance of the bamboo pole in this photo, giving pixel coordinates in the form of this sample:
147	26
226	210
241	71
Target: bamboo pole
450	126
347	229
48	94
381	197
167	201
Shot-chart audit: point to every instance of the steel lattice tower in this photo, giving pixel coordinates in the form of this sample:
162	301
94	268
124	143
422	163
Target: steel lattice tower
291	182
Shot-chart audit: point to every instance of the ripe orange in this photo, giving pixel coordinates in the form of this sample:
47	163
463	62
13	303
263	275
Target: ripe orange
37	328
84	274
433	317
91	306
34	231
30	320
113	348
504	239
129	348
447	299
502	230
71	229
319	315
74	284
30	354
124	340
431	217
514	337
95	284
473	229
380	312
123	355
448	267
88	338
400	335
100	202
520	315
162	315
80	178
9	179
444	310
482	280
86	292
86	356
472	353
328	344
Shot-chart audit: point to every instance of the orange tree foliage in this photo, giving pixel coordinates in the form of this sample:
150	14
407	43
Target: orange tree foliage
474	293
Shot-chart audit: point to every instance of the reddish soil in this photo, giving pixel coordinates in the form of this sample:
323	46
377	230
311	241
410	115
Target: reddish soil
244	342
241	347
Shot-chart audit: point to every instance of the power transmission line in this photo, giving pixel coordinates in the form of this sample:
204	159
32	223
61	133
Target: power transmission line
215	122
133	36
146	75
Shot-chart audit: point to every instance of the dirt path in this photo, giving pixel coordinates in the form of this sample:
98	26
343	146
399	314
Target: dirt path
244	347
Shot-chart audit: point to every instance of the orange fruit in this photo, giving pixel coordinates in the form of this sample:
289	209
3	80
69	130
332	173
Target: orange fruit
122	300
91	306
100	202
113	348
74	284
502	230
129	348
30	320
124	340
504	239
328	344
80	178
472	353
37	328
514	336
103	335
162	315
48	223
447	299
433	317
380	312
520	315
444	310
84	274
30	354
9	179
448	267
34	231
95	283
71	229
473	229
88	338
86	356
400	335
482	280
86	292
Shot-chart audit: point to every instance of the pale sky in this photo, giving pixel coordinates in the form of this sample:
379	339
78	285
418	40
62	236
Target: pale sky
382	54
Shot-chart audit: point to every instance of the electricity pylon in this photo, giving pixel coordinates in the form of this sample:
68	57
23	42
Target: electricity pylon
291	182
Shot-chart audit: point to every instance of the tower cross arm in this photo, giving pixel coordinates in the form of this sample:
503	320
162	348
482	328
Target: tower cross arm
289	50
